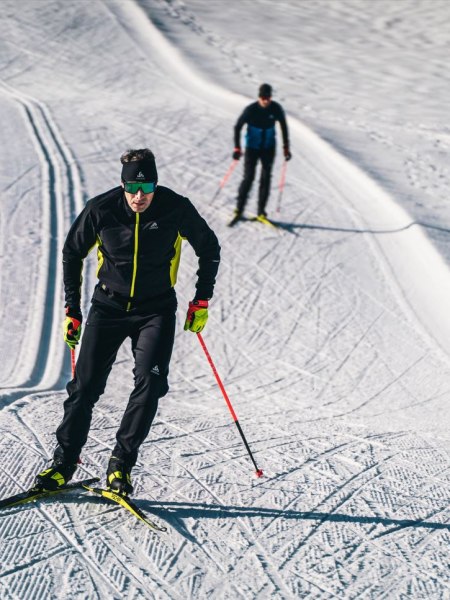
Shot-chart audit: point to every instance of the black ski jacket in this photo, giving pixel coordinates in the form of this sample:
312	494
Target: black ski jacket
261	126
139	253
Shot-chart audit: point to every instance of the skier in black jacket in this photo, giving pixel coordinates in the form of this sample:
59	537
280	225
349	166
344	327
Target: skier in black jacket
260	141
138	228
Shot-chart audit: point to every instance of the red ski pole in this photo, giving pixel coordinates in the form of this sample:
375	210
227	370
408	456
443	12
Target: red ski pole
225	178
259	472
281	184
73	361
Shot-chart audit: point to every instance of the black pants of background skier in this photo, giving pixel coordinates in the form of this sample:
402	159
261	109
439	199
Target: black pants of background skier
266	157
152	330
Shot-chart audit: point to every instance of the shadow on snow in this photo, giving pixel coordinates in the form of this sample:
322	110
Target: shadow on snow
291	227
217	511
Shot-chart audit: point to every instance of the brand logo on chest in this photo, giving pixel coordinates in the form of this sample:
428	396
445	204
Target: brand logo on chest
150	226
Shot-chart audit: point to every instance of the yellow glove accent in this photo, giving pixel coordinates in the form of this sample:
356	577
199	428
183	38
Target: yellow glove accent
71	331
197	315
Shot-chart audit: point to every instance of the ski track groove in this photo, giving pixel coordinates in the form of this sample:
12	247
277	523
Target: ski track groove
80	544
200	547
310	462
345	359
75	545
405	560
262	557
34	435
213	447
60	171
21	442
381	360
46	167
393	381
129	566
48	554
341	503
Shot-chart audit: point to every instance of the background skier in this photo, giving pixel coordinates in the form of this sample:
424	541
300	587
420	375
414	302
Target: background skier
260	144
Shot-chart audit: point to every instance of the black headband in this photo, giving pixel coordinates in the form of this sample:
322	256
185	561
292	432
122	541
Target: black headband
140	170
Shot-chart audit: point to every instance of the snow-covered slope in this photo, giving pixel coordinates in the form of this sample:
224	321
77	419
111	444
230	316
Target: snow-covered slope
330	334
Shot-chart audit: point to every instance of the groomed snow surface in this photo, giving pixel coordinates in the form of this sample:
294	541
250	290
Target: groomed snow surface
331	333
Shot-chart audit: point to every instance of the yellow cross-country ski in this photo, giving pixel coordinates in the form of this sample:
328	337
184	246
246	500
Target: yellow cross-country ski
127	504
35	493
265	221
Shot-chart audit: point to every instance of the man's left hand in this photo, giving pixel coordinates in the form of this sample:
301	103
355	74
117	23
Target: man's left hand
197	315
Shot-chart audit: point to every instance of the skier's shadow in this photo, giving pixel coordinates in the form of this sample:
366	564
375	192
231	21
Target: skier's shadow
175	512
294	227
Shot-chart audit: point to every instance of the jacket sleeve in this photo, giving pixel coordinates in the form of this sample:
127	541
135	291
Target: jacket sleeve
206	246
283	124
81	238
238	128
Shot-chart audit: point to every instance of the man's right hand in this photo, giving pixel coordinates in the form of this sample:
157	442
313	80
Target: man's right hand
237	153
72	326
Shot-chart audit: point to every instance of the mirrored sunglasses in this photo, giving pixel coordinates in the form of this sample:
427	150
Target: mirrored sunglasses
132	187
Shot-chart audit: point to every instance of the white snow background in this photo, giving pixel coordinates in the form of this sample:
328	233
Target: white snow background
331	333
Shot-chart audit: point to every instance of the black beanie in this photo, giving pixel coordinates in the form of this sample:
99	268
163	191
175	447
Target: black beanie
265	90
140	170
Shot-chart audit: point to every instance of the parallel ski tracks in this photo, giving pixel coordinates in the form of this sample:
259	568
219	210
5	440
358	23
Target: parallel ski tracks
62	198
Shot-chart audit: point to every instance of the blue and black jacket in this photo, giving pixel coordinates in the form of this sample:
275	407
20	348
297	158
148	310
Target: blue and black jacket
139	253
261	126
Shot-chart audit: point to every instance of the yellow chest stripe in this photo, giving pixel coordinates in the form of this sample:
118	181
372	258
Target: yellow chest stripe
135	258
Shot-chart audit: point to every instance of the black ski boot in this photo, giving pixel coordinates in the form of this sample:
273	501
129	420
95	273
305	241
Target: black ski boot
118	476
58	474
237	216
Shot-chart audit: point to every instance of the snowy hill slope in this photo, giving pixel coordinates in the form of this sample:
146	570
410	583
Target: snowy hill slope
334	363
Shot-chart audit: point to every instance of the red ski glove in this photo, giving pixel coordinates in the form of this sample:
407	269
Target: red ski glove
72	326
197	315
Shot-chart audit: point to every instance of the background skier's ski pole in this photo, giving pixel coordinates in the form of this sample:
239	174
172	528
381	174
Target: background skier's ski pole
281	184
226	177
259	472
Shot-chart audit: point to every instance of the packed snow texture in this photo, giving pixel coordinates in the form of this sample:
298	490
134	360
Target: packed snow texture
331	333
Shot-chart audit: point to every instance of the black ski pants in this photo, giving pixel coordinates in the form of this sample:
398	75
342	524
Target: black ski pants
266	156
152	331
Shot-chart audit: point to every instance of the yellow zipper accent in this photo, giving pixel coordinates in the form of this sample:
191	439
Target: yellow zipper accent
99	254
175	262
136	246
